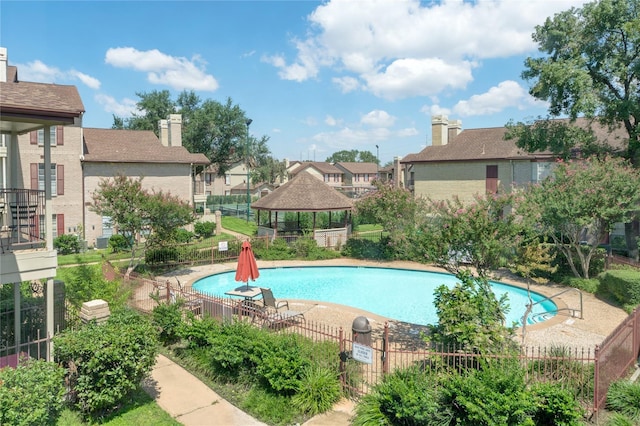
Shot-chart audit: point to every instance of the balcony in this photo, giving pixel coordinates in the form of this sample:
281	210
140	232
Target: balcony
20	213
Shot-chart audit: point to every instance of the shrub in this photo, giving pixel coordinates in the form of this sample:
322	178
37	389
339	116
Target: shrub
317	391
590	285
282	363
31	394
118	243
183	236
363	248
404	397
624	285
234	346
555	406
168	319
623	397
278	250
494	394
106	362
204	229
67	244
198	332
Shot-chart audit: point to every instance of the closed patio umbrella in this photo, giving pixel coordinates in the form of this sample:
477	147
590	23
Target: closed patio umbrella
247	267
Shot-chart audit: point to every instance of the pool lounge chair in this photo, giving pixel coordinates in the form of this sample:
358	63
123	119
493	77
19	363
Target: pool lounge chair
277	312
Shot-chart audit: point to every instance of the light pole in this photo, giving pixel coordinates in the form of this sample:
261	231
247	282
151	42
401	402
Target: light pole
377	163
248	122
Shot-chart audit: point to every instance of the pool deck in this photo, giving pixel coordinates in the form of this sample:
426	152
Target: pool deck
599	318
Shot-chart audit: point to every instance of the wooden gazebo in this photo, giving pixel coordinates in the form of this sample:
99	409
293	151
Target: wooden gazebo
305	193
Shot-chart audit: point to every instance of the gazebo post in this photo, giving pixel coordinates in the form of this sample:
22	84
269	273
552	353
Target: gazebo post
314	220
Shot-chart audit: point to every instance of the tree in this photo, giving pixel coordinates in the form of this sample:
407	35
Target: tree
134	210
397	210
217	130
579	205
591	69
352	156
479	234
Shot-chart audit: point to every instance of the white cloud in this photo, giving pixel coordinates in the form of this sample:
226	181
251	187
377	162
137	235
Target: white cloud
124	108
89	81
435	110
378	118
507	94
419	77
331	121
385	40
346	84
38	71
177	72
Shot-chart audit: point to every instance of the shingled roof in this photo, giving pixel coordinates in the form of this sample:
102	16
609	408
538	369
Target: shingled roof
489	144
358	168
134	146
322	166
304	193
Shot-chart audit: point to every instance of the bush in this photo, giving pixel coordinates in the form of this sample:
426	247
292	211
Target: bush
623	397
362	248
67	244
183	236
317	391
168	319
404	397
624	285
555	406
278	249
118	243
282	363
106	362
591	285
204	229
31	394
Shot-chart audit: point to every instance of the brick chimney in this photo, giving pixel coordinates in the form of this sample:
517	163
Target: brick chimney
175	130
3	64
439	130
454	129
163	127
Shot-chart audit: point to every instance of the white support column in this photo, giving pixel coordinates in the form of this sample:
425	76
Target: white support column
48	226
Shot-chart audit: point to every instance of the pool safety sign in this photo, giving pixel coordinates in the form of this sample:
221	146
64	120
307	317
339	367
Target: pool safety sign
362	353
223	246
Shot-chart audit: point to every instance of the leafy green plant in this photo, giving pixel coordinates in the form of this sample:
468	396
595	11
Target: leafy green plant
67	244
204	229
282	363
31	394
405	397
168	318
470	317
555	406
623	396
118	243
182	236
317	391
105	362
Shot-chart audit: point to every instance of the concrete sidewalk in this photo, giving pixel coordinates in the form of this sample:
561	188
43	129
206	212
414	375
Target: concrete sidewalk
193	403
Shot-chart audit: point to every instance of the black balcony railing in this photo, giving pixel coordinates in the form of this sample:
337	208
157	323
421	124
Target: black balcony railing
21	211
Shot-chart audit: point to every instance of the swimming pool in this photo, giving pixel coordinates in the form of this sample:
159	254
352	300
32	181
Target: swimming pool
402	294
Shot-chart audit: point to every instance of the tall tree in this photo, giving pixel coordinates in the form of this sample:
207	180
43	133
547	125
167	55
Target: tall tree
590	67
217	130
579	205
352	156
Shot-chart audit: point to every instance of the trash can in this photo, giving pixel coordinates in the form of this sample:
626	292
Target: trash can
361	331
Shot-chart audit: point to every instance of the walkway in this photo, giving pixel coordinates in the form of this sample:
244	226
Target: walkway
193	403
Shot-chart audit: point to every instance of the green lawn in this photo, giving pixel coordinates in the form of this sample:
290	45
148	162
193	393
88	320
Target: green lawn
141	410
239	225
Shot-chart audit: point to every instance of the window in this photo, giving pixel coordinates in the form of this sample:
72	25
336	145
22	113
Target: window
57	226
492	180
540	171
366	177
227	179
54	178
53	136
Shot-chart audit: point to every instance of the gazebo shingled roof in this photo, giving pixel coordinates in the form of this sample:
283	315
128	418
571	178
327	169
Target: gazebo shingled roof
304	193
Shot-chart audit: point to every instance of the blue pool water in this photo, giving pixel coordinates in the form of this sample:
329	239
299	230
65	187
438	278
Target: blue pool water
401	294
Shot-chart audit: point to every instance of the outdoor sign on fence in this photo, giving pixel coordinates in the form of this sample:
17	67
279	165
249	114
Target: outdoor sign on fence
223	246
362	353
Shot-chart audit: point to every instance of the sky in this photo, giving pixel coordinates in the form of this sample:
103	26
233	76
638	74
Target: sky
315	77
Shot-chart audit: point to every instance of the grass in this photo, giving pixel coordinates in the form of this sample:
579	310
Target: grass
239	225
368	228
140	410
